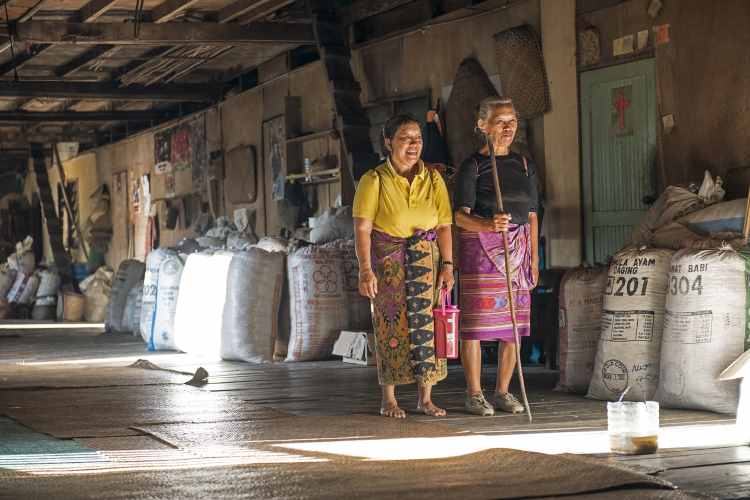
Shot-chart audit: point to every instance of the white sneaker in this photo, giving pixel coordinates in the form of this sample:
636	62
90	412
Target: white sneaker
506	402
477	405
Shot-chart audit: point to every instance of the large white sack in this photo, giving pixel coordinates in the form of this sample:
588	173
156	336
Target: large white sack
23	262
131	316
319	304
726	217
285	314
705	329
200	303
360	311
674	202
632	321
251	312
24	289
49	285
7	278
333	224
128	274
167	291
673	236
271	244
581	299
150	279
97	298
281	347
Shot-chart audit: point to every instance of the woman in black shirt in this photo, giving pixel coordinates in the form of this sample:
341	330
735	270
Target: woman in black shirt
485	313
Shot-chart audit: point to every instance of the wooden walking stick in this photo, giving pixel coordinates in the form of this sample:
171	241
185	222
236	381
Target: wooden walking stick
508	277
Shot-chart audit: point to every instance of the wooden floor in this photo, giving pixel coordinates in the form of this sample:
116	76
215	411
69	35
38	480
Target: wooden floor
36	362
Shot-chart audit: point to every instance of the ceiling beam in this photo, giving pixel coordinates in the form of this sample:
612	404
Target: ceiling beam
94	9
109	91
23	58
362	9
257	7
82	60
164	12
53	32
80	116
87	13
26	16
49	138
264	11
170	9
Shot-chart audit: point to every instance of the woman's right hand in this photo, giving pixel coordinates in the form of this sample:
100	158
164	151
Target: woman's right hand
368	283
499	223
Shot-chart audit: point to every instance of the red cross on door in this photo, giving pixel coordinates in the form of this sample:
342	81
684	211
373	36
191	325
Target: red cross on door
621	103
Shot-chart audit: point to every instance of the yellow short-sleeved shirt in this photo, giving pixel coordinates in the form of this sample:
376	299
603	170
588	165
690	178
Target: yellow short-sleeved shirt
398	209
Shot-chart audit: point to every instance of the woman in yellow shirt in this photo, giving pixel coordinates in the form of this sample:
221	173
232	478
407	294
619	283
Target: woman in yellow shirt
402	220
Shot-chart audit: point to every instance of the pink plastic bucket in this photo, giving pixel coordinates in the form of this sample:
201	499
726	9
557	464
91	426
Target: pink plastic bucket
446	327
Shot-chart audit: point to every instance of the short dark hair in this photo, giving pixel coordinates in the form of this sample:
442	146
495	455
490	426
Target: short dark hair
391	126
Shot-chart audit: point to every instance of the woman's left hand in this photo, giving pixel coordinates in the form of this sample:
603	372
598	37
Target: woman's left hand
445	278
535	272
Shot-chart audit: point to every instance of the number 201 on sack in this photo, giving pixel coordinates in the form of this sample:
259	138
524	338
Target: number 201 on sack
621	286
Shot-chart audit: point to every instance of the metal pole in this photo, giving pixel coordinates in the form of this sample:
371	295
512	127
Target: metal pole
508	277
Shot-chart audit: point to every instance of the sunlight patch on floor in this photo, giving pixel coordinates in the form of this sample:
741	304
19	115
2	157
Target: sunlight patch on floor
588	442
99	462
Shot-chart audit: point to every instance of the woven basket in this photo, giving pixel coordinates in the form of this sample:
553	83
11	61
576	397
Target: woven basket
470	86
518	52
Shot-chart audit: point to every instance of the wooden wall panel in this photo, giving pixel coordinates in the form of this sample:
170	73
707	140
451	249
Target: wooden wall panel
241	122
563	181
428	59
703	79
310	83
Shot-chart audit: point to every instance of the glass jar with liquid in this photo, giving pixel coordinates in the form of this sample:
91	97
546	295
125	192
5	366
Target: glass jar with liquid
633	427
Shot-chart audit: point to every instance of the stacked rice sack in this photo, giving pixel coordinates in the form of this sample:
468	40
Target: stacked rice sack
706	328
631	327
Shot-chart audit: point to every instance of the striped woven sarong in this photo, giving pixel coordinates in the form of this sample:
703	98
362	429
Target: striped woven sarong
485	313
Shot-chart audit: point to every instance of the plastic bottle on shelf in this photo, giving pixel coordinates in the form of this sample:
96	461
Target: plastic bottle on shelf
308	169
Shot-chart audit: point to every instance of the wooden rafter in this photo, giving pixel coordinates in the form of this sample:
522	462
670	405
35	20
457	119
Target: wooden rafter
108	91
93	10
362	9
53	32
22	58
250	8
87	13
170	9
80	116
82	60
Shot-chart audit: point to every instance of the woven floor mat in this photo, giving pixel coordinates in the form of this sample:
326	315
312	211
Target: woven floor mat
501	474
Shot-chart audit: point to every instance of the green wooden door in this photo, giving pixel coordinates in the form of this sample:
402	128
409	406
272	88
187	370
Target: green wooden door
618	131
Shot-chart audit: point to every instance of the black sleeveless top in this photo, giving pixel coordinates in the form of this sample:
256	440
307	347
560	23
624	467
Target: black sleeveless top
475	188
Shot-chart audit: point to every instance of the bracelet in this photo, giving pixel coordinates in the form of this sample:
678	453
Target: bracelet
447	263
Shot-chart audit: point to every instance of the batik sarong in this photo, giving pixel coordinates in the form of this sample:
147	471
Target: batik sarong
485	312
406	270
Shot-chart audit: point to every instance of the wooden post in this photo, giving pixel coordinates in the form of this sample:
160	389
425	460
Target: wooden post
746	228
72	219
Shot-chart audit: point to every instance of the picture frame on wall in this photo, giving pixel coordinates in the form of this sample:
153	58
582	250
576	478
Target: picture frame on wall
274	155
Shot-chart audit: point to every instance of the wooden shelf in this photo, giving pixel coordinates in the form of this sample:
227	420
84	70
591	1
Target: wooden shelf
310	137
316	176
325	180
